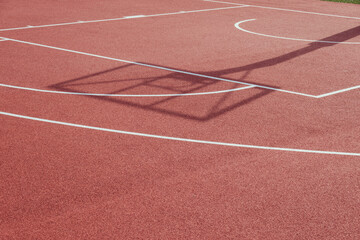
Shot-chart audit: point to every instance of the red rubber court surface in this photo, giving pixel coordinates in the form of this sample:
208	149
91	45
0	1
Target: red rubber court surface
179	120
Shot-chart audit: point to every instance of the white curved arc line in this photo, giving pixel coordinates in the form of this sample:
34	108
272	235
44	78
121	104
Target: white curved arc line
178	138
124	95
286	38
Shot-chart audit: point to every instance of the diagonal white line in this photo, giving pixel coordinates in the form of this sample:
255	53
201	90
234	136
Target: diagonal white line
284	9
179	139
120	18
338	91
163	68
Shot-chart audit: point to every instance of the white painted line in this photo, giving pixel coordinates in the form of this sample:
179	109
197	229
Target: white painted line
41	26
339	91
237	25
206	10
125	95
135	16
231	3
162	68
284	9
3	40
179	139
120	18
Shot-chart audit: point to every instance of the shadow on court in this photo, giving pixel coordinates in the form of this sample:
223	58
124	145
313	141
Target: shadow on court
187	107
179	83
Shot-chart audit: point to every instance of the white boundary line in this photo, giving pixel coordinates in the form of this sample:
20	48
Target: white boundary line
237	25
177	138
120	18
162	68
284	9
126	95
3	40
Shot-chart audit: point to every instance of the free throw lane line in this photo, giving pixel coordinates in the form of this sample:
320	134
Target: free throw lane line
177	138
163	68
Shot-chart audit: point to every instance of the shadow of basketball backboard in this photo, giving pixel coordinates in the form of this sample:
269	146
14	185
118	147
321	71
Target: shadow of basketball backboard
172	93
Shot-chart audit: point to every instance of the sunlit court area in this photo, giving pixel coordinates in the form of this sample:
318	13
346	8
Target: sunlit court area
192	119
